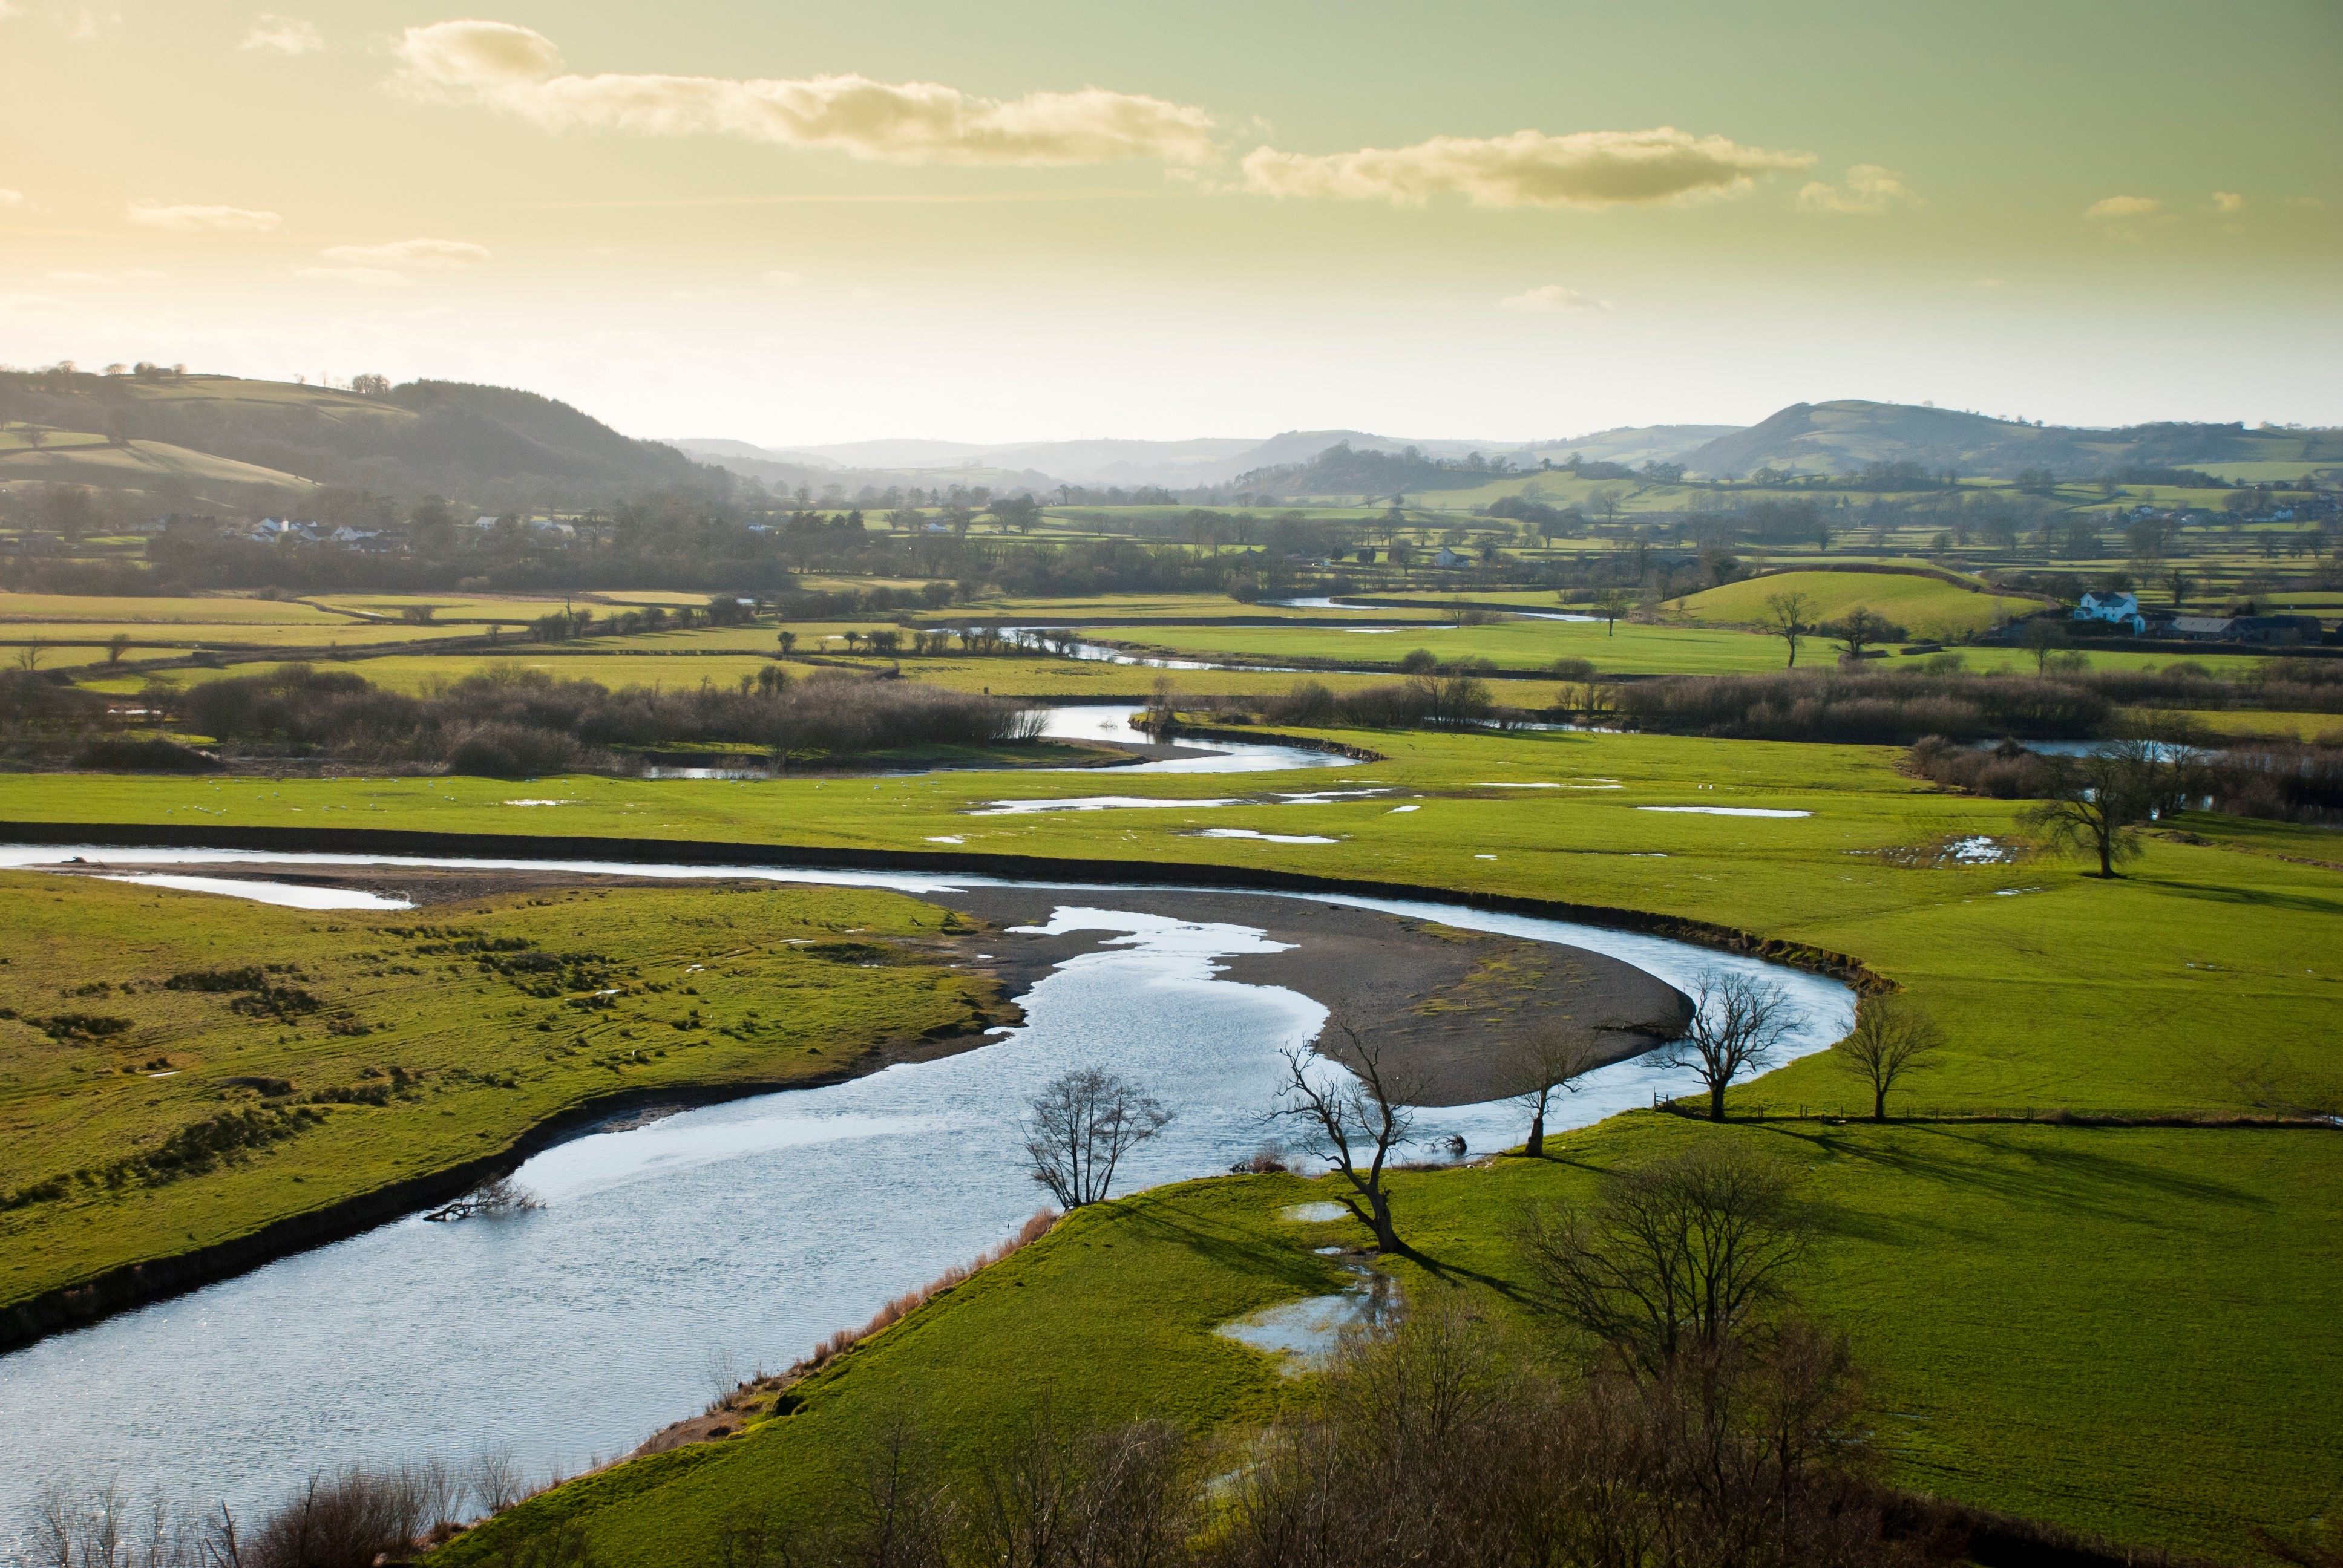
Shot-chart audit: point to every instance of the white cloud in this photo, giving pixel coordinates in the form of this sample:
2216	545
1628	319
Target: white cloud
2313	203
426	255
124	274
1549	299
190	219
780	279
518	72
370	277
8	10
12	198
1527	169
87	24
1868	191
282	35
2108	209
2228	201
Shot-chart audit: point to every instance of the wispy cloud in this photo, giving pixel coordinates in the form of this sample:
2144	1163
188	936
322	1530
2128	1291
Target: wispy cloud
1552	299
517	71
11	199
2228	201
87	24
2116	208
780	279
276	34
426	255
124	274
1868	191
187	219
1527	169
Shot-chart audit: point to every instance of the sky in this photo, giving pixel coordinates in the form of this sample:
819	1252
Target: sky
795	224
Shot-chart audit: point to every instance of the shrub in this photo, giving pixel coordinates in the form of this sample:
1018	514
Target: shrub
512	751
112	755
1863	707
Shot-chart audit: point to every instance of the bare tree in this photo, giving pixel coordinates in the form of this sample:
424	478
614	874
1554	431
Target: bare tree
1082	1124
1549	1061
2092	804
1673	1254
1862	627
116	646
497	1479
1791	618
1737	1021
1344	1117
1892	1036
2043	636
1611	603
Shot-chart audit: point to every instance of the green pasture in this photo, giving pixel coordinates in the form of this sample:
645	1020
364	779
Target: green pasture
1137	607
209	610
2135	965
1628	648
513	609
1926	606
2128	1331
321	637
2255	724
463	1059
2124	1390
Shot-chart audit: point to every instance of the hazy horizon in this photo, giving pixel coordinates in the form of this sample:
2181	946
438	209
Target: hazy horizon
800	228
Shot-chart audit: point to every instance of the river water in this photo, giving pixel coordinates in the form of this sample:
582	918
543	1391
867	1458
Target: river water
730	1237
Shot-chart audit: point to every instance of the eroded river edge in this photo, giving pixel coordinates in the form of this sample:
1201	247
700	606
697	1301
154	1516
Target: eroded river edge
1443	987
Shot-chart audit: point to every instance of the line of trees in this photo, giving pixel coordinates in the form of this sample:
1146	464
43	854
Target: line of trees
503	721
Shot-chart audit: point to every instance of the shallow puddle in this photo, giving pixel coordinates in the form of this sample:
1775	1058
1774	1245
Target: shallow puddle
1724	811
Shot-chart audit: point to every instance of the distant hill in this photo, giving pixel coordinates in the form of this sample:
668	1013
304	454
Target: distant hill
1194	463
1843	437
488	447
1630	444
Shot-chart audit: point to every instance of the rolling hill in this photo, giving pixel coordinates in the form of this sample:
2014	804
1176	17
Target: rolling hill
190	440
1843	437
1925	606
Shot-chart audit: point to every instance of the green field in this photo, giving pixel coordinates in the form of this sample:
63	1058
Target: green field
464	1059
1926	606
2128	1331
221	609
177	637
1931	1260
1521	647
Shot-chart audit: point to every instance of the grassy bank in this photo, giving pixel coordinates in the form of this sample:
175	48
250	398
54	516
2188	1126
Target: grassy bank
2125	1331
2147	1406
178	1071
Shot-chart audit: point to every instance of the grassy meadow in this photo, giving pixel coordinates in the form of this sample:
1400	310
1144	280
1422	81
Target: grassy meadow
302	1058
1926	607
2123	1330
1627	647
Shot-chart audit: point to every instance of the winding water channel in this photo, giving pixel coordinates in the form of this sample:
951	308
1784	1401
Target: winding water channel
736	1236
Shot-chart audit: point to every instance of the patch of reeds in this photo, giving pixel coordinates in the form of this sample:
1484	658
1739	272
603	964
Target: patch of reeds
910	1301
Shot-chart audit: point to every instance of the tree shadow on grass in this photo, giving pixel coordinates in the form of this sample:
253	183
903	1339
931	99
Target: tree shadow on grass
2241	897
1235	1247
2055	1167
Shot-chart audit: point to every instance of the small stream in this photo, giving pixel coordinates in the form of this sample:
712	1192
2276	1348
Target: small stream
715	1241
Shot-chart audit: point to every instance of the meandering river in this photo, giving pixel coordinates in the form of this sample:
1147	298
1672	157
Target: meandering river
730	1237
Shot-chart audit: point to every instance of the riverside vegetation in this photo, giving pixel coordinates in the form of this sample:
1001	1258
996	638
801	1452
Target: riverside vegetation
1976	1251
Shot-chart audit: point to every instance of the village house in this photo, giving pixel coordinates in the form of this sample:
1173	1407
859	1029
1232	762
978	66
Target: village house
2116	608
